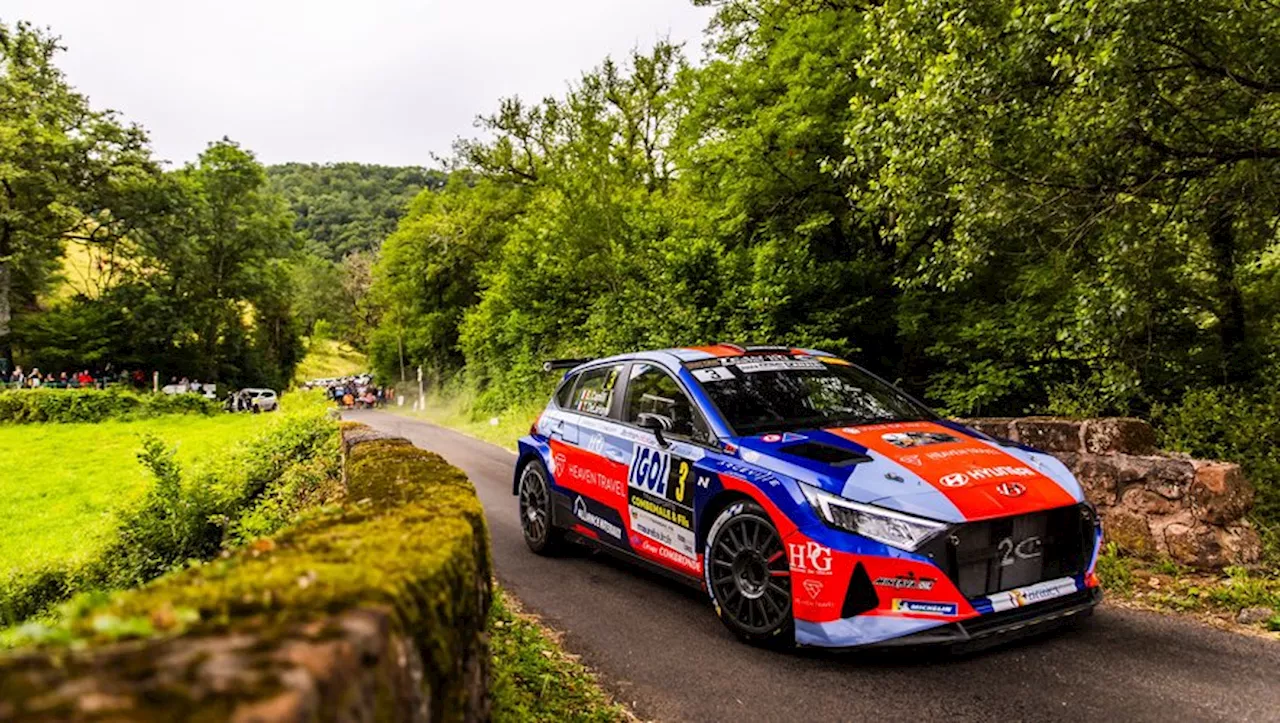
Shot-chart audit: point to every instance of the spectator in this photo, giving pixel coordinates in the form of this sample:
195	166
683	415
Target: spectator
84	378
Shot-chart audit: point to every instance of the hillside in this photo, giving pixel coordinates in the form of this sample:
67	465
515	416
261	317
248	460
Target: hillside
347	207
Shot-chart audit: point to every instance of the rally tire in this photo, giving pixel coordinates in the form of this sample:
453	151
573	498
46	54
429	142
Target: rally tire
536	519
748	576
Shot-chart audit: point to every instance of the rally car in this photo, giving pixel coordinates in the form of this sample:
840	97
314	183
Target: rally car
815	503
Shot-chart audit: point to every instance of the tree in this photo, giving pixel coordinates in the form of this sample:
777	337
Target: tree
65	169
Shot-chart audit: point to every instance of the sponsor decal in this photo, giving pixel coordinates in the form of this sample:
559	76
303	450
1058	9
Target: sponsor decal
750	455
751	474
809	558
649	470
663	532
911	459
967	451
813	587
592	478
906	440
1030	595
749	364
662	508
954	480
666	554
558	465
1011	551
581	512
926	607
771	438
908	581
1011	489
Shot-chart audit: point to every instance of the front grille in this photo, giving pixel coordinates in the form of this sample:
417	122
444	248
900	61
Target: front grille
991	556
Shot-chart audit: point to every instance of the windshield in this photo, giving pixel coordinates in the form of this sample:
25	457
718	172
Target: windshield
781	393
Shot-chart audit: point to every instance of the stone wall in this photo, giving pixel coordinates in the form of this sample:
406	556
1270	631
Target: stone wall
1152	503
374	611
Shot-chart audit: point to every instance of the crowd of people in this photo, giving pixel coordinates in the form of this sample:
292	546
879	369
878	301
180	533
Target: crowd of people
354	392
85	378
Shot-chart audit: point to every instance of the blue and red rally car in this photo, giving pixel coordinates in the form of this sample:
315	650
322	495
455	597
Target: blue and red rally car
814	502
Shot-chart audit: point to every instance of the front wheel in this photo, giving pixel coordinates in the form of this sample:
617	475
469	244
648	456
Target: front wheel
748	576
535	511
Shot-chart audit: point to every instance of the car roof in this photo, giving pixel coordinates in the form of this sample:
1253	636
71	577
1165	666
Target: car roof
679	355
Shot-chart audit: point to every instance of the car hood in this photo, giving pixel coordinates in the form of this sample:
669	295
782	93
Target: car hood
935	469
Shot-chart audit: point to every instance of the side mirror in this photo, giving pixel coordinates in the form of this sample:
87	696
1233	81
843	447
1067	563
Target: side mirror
655	423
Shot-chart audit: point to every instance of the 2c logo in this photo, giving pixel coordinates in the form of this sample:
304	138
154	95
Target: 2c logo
1028	549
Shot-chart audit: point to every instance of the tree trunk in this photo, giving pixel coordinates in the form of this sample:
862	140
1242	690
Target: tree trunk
1231	314
6	345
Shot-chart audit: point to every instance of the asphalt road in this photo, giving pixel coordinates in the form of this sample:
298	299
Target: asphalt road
659	646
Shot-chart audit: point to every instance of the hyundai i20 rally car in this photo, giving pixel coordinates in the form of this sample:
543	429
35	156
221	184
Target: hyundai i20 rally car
814	502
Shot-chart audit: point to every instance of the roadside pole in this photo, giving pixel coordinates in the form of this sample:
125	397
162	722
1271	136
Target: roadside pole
422	402
155	382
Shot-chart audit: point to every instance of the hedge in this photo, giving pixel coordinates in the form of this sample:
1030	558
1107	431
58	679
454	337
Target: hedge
410	541
20	406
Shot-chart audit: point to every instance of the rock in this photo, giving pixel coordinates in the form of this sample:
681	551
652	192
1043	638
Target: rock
1208	547
997	427
1255	616
1128	531
1220	494
1119	435
1169	478
1146	503
1048	434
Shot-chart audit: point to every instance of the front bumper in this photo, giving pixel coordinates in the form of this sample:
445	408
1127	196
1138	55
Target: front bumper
959	594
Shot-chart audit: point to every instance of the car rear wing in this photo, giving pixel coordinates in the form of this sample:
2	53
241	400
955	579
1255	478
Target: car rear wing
553	364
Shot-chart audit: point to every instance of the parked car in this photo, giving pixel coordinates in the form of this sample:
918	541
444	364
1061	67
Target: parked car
253	400
814	502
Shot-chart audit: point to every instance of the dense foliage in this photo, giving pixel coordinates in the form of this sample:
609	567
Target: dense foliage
1009	206
345	208
68	406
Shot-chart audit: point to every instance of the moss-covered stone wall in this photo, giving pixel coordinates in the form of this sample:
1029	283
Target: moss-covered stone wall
373	610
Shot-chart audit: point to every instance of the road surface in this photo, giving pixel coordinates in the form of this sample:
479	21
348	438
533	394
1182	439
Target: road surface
659	647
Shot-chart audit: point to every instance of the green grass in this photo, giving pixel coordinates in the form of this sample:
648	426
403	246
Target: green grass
533	679
61	483
1166	586
328	358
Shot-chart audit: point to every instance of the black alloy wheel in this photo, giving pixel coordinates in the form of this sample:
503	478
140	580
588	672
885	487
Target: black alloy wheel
535	511
748	576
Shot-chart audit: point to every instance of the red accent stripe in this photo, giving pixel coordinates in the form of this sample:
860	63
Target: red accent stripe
719	350
974	471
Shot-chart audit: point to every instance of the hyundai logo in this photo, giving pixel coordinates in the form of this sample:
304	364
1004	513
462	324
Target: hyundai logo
1011	489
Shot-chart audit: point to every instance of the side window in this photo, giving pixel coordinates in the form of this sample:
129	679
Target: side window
594	391
652	391
564	395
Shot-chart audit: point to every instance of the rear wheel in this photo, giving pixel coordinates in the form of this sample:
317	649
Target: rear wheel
535	511
748	577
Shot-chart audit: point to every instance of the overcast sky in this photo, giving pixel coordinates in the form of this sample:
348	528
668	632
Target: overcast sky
379	81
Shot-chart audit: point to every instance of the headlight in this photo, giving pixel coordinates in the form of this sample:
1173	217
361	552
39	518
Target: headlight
892	528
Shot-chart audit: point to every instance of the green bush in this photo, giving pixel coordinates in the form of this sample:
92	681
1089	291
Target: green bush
1238	426
193	517
67	406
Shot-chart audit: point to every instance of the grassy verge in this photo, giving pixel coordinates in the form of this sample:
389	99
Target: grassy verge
534	679
1214	597
62	482
74	526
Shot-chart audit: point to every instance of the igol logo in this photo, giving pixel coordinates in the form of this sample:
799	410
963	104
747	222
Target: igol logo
1011	489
